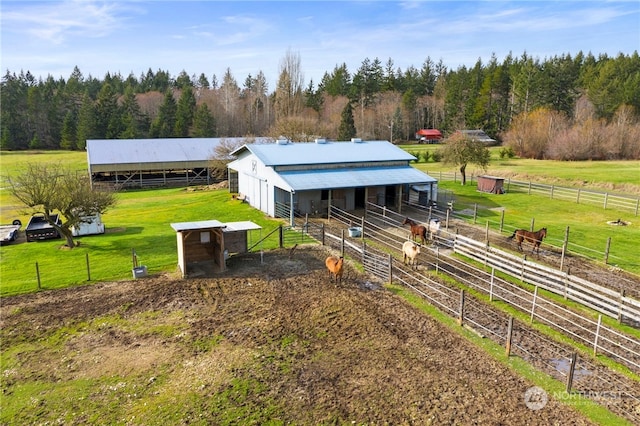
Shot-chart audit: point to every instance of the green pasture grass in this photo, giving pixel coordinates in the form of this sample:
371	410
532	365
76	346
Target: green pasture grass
588	228
621	177
139	222
554	388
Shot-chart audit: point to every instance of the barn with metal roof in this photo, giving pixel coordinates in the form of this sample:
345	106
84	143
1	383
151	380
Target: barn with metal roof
284	178
139	163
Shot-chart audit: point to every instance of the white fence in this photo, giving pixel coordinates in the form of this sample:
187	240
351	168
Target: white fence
606	200
596	297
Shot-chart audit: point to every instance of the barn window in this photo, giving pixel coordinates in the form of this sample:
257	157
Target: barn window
205	237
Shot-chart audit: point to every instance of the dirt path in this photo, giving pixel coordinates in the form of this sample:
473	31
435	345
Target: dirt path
320	353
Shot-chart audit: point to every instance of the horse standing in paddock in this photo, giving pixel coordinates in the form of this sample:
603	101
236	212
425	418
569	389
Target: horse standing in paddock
335	267
416	230
411	250
534	238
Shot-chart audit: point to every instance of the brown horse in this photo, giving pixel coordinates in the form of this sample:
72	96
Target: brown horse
416	230
534	238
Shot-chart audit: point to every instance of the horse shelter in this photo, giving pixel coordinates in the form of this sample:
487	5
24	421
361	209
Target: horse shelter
491	184
205	246
285	179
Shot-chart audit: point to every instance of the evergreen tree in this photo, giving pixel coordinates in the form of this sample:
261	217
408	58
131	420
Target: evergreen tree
68	137
347	129
164	124
185	112
204	125
86	126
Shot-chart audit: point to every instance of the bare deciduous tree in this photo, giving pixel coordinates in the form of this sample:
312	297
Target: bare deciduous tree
46	189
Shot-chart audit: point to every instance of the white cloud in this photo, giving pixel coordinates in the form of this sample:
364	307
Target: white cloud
56	22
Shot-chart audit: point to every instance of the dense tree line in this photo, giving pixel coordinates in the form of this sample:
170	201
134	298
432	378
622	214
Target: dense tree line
585	93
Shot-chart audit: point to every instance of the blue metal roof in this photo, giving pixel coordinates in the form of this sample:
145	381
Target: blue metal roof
276	154
354	177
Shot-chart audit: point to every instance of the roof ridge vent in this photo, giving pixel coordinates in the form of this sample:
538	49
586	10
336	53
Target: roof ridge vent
356	140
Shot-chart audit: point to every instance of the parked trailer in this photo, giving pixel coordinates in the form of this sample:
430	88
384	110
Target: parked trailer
9	233
39	229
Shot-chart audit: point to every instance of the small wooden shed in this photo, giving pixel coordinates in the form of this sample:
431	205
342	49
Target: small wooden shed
491	184
204	246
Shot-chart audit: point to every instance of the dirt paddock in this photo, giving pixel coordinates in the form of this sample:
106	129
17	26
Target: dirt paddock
321	353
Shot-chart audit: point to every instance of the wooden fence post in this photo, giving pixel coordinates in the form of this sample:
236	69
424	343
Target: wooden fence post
38	276
509	336
362	231
461	315
533	305
281	237
390	269
502	220
620	306
606	198
446	224
578	197
606	251
322	233
533	223
595	342
486	234
437	259
88	268
475	213
564	247
342	242
493	271
572	368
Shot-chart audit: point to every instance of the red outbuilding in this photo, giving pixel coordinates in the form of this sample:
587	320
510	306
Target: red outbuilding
429	135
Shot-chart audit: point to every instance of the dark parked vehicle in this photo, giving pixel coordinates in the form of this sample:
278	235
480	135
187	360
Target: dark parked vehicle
39	229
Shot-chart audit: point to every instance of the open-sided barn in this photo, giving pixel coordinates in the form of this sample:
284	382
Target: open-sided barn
284	178
143	163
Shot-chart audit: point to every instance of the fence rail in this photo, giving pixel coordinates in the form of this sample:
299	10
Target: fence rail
575	325
520	338
601	299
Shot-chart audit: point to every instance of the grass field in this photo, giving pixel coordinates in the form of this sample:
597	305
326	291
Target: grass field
141	222
622	177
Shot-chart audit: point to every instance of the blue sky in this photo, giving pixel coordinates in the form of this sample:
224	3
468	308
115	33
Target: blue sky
51	37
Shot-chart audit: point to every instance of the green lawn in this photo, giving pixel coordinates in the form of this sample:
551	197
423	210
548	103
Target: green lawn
616	176
141	222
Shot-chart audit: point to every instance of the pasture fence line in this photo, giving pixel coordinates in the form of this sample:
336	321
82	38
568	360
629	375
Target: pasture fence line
578	327
604	300
564	246
486	320
606	200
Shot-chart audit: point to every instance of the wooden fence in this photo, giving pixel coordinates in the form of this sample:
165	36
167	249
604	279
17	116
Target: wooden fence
384	228
606	200
601	299
488	321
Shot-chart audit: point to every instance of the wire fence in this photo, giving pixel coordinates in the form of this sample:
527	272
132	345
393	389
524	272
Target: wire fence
585	377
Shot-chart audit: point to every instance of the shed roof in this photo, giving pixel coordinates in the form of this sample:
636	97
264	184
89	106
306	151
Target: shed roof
276	154
354	177
430	133
207	224
136	151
